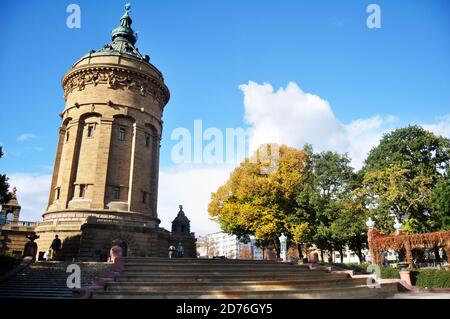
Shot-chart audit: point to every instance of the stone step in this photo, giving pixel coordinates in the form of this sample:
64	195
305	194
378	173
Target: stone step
221	270
196	270
221	278
226	285
47	280
228	265
136	277
34	295
61	289
38	284
333	292
147	260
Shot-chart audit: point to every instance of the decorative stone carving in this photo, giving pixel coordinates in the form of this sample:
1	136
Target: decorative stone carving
115	79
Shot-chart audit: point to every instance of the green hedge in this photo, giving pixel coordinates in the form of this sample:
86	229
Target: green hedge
8	262
389	273
431	278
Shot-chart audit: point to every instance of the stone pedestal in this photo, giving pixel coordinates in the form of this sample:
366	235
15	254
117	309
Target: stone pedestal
313	257
405	276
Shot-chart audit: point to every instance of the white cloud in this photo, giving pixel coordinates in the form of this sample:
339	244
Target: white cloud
26	137
290	116
363	135
293	117
32	193
192	188
440	128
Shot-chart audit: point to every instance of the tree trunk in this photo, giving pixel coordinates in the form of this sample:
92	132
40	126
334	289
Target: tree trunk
409	255
300	253
341	251
277	248
360	255
321	255
330	255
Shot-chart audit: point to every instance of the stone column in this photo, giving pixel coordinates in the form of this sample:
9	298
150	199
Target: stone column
156	145
69	167
408	250
405	276
16	214
447	251
62	134
374	253
101	168
133	189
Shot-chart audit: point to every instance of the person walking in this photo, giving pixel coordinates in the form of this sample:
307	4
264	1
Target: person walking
180	250
172	250
55	246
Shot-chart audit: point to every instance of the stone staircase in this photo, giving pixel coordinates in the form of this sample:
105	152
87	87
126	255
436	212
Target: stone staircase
47	280
155	278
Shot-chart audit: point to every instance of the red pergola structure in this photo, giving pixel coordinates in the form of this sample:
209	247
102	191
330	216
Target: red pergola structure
379	243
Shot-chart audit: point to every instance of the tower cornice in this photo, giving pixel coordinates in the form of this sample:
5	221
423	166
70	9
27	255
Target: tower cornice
116	76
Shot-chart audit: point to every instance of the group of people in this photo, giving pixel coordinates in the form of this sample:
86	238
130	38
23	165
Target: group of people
176	252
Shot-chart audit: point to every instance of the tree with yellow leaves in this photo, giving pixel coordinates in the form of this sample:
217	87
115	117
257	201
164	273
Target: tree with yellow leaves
260	201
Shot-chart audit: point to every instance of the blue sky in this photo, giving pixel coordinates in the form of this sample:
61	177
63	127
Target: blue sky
207	49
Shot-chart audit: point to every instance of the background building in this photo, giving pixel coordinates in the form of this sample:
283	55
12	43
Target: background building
13	231
229	246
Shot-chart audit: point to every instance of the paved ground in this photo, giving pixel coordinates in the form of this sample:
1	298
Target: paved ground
421	295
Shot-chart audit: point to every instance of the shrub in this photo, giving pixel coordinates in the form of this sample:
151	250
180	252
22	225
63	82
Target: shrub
431	278
8	262
389	273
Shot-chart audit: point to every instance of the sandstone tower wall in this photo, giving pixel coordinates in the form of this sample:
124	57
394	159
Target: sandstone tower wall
105	177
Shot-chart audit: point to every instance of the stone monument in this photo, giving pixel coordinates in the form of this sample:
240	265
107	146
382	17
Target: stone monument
105	177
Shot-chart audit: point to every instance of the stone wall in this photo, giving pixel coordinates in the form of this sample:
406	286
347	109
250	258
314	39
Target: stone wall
14	240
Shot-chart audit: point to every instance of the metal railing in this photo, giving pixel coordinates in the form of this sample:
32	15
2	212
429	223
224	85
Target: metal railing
429	264
20	223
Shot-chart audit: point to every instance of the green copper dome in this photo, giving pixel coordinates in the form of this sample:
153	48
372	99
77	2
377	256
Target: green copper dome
124	38
124	29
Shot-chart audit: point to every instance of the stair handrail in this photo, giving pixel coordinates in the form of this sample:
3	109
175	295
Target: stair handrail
25	263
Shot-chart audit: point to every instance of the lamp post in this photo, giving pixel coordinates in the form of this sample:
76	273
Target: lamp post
282	239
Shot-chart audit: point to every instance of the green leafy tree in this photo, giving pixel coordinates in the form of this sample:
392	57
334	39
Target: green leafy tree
440	203
322	199
391	192
399	176
349	228
413	148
